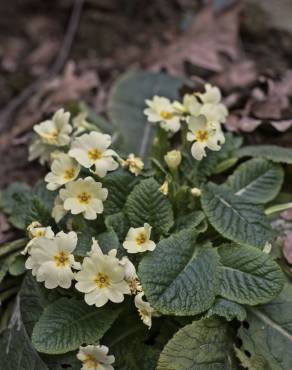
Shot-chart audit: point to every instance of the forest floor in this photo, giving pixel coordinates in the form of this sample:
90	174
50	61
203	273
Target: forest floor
55	52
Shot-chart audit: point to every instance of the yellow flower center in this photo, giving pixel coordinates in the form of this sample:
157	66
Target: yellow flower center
61	259
102	280
166	115
141	238
39	234
202	135
84	197
91	362
94	154
69	174
51	136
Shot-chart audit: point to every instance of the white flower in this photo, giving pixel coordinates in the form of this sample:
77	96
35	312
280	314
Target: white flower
212	109
92	149
55	131
211	95
161	110
38	149
36	231
145	310
95	358
102	278
63	170
84	196
81	124
138	240
173	159
204	136
51	260
58	211
135	164
190	105
131	276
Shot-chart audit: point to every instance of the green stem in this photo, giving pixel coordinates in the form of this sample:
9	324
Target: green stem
12	247
8	293
278	208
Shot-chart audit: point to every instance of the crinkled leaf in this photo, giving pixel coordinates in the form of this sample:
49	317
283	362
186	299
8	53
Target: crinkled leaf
119	223
67	323
235	218
191	220
202	345
127	103
249	276
109	240
147	204
180	277
268	335
119	184
272	152
227	309
257	180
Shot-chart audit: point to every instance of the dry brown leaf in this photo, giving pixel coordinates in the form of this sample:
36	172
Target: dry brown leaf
209	35
237	75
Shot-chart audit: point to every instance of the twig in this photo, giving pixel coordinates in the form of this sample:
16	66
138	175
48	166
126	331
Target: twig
55	69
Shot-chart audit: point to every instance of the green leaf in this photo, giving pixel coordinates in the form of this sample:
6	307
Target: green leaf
127	340
67	323
227	309
268	335
119	184
235	218
191	220
17	267
249	276
119	223
127	103
147	204
257	180
180	277
16	350
272	152
109	240
202	345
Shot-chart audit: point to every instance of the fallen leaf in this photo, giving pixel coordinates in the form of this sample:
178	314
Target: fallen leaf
209	35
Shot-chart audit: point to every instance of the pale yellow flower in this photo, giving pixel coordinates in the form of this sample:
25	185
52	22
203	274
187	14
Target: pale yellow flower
135	164
51	260
95	358
92	150
138	240
161	110
55	131
63	170
84	196
102	278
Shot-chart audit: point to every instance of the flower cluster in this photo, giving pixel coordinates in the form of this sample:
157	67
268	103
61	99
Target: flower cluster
203	114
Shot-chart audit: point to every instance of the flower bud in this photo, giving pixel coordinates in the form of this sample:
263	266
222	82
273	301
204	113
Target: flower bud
196	192
164	188
173	159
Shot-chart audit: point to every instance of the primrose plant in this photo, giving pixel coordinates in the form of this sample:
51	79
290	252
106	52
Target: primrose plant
151	263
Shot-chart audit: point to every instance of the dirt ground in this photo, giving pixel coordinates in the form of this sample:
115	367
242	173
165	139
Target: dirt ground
55	52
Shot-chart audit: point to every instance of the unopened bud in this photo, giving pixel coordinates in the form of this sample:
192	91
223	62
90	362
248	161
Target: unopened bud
173	159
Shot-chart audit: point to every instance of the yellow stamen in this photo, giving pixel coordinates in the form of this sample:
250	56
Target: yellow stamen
202	135
84	197
102	280
91	362
51	136
141	238
61	259
166	115
39	234
69	174
94	154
